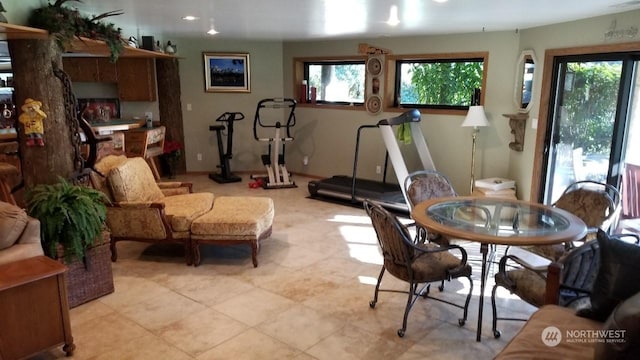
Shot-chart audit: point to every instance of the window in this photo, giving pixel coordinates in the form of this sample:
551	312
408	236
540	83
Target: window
434	82
336	82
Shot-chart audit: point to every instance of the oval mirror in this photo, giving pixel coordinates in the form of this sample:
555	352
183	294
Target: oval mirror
525	68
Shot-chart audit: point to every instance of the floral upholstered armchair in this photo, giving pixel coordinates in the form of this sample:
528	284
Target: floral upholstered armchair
144	210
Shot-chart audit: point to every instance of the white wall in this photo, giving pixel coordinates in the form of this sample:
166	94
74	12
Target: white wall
572	34
328	136
266	82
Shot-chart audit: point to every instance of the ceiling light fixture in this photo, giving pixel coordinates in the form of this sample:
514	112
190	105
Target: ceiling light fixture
190	18
212	29
393	16
440	1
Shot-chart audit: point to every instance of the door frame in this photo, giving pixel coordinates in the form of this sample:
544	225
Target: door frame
545	97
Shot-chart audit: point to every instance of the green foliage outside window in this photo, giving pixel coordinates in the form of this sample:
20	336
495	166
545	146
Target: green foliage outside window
337	81
589	105
442	83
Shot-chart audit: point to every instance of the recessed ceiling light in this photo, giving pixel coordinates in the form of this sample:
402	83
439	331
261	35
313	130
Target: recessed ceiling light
441	1
393	16
190	18
212	31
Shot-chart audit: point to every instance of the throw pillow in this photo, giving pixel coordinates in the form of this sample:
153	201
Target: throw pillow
623	329
618	276
13	220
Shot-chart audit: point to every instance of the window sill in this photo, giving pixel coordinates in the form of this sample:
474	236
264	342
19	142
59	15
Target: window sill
330	106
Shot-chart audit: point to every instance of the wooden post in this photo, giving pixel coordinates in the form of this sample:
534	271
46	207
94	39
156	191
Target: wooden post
31	63
170	104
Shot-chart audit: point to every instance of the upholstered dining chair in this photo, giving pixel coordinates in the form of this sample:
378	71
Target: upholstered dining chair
415	263
423	185
578	270
595	203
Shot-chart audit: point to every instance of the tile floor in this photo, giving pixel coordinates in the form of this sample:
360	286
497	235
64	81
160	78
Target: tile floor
307	299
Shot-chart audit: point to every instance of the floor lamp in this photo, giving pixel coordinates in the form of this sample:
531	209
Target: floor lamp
476	118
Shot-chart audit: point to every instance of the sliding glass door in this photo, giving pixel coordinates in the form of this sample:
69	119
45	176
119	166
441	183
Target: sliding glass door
591	113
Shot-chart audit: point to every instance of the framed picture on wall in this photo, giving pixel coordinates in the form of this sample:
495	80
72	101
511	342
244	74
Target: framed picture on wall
227	72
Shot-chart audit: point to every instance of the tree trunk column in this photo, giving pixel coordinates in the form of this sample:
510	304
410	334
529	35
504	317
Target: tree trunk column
31	63
170	104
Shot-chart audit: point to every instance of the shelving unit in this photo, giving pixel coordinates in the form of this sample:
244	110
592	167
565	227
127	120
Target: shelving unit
82	45
13	31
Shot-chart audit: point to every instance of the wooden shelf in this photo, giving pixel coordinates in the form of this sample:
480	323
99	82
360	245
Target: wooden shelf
85	46
82	45
13	31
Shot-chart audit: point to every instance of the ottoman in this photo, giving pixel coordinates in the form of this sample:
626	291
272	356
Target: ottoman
233	220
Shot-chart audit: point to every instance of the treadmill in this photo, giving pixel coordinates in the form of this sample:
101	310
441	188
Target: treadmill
354	190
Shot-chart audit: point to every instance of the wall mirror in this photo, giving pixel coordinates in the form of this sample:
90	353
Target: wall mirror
525	68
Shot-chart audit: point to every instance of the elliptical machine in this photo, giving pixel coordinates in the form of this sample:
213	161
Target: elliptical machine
225	175
277	174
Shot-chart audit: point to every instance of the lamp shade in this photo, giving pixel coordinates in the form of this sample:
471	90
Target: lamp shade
475	117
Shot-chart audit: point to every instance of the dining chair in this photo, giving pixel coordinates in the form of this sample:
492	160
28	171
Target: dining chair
413	263
597	204
424	185
579	268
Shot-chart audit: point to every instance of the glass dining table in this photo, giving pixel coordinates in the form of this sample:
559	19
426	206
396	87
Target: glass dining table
497	221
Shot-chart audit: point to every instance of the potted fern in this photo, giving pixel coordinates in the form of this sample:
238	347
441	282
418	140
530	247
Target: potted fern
72	230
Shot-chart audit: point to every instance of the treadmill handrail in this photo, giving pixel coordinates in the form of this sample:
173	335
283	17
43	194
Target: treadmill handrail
406	117
355	159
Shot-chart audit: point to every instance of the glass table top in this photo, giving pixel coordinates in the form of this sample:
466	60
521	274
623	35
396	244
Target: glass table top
497	217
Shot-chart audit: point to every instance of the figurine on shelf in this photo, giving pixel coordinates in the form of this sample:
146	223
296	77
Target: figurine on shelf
157	47
133	42
170	49
32	119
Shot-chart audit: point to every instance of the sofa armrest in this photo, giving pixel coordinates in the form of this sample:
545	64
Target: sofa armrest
31	233
552	290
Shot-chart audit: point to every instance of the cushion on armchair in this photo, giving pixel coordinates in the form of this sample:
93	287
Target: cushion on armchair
133	181
13	220
618	276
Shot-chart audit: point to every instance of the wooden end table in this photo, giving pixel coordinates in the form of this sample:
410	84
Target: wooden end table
34	308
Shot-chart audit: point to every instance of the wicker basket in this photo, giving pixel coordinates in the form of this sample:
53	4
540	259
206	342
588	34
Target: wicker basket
92	278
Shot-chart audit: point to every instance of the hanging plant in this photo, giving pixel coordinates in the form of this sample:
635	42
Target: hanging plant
65	24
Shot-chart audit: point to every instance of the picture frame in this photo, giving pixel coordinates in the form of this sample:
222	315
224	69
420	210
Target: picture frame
227	72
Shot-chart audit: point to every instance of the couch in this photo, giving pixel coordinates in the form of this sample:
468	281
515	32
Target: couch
19	234
608	327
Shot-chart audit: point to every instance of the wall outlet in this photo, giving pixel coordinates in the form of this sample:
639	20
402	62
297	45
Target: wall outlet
189	108
199	157
305	160
148	115
378	169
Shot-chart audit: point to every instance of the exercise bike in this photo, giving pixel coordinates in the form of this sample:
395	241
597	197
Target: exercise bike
277	174
225	175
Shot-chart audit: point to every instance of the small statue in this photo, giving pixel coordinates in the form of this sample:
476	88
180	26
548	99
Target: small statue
158	48
32	119
170	49
133	42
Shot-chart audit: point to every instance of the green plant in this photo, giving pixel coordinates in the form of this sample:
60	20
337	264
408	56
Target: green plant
64	24
70	215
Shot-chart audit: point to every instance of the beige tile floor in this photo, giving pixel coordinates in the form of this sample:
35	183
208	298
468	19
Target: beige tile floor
307	299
